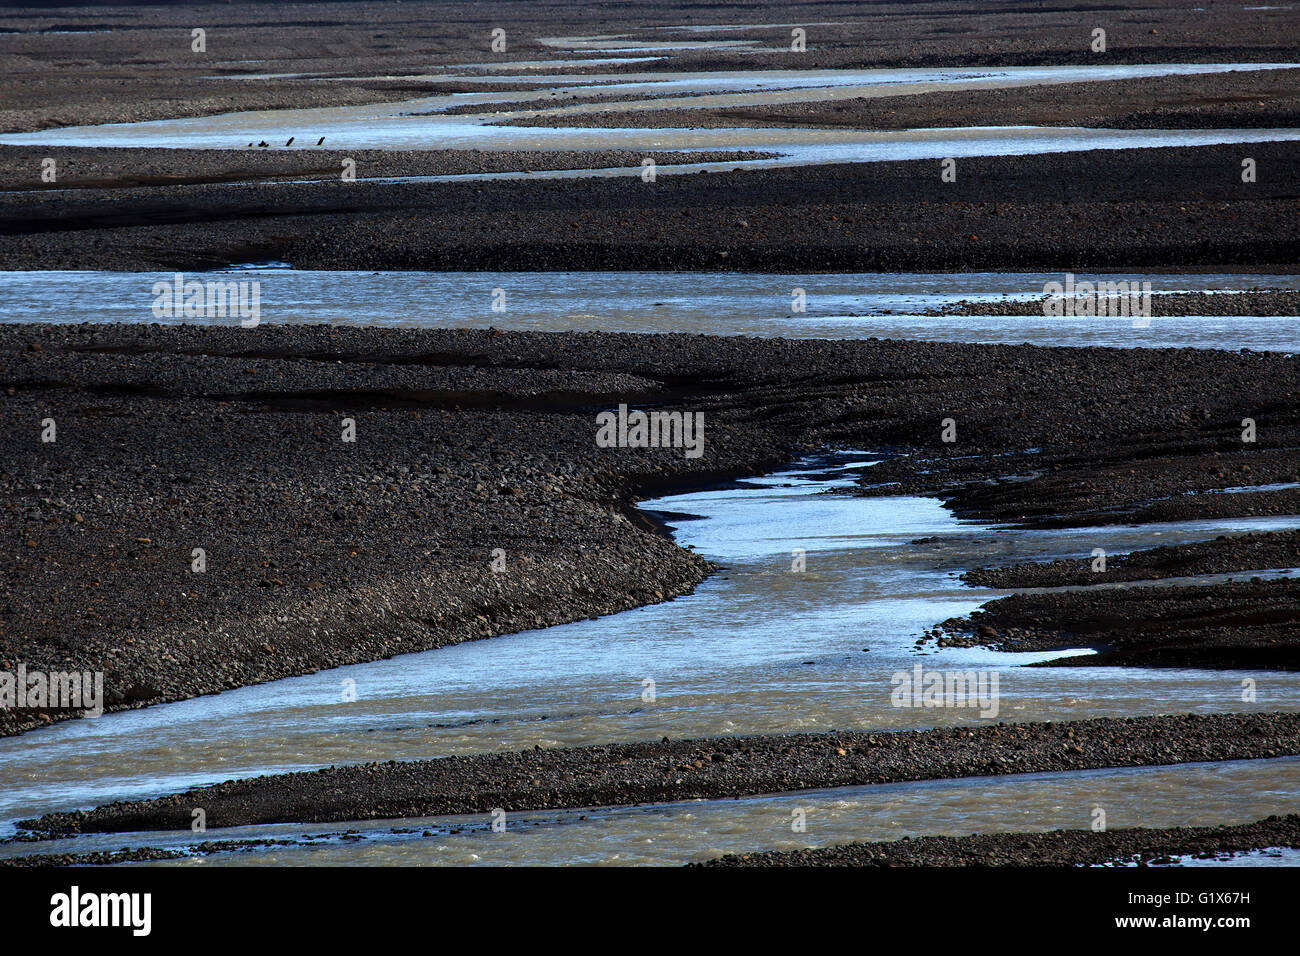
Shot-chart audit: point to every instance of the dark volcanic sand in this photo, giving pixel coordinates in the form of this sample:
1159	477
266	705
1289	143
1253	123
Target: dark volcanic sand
1225	554
1266	99
1119	209
1274	302
1252	625
1125	210
111	168
1156	456
621	774
1055	848
322	553
143	854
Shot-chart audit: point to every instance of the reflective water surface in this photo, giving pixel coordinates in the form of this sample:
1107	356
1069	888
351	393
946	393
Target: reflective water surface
758	648
423	123
841	305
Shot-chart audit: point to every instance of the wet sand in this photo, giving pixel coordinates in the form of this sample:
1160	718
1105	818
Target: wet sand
138	854
1239	625
1142	472
106	168
1273	302
1225	554
1233	625
639	773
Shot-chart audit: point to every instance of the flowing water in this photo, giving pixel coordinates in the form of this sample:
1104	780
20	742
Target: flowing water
884	305
758	648
796	147
423	123
671	834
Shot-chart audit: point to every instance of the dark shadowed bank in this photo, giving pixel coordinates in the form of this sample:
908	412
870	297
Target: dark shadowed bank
1172	208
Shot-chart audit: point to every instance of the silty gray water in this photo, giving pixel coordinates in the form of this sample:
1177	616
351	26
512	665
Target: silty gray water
884	305
758	648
